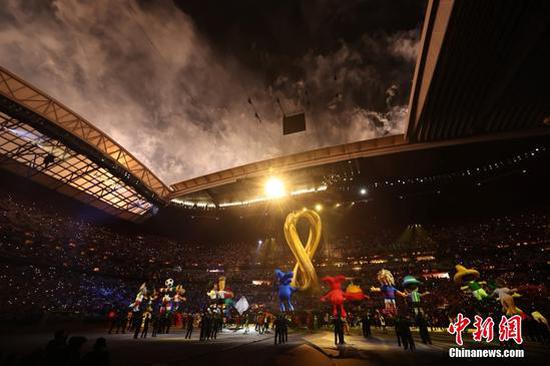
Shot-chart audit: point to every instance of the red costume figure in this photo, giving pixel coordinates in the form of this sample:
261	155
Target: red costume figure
337	296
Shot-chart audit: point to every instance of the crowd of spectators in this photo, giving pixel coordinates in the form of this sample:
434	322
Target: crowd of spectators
52	262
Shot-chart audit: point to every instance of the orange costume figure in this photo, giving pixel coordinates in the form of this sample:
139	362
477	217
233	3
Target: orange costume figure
337	296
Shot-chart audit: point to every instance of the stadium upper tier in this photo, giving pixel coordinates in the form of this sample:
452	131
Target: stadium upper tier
475	80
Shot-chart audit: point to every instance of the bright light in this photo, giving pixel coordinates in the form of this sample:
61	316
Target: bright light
260	242
318	207
274	188
363	191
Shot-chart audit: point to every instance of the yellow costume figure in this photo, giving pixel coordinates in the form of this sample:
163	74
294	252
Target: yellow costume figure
468	277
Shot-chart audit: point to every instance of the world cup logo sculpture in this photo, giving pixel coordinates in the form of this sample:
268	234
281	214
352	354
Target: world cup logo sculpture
305	277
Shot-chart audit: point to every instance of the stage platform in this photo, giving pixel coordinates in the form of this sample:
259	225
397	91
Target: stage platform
236	348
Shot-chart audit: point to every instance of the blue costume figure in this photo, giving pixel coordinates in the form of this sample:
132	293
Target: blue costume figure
285	290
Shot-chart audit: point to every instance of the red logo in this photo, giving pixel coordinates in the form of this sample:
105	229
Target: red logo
458	327
484	329
508	329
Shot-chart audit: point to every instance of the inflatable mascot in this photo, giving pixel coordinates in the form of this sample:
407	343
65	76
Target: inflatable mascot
467	278
410	284
337	296
506	297
225	296
285	290
387	287
142	298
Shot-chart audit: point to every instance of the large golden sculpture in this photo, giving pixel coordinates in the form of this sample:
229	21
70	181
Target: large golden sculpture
305	277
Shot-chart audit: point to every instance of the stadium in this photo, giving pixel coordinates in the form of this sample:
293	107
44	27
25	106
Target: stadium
366	251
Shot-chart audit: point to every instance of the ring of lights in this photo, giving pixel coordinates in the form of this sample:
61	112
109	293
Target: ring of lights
305	276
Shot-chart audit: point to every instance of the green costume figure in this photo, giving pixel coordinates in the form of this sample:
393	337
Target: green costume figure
411	290
468	279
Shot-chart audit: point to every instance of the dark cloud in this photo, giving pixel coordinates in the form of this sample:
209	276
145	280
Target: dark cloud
171	82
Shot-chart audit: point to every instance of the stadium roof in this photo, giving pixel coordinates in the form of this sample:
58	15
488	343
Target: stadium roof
44	140
481	74
482	69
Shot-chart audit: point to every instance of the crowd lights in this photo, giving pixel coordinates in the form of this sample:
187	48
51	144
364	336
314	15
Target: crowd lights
273	189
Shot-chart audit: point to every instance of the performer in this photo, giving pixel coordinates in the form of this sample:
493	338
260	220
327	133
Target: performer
366	324
189	324
405	333
338	330
145	322
217	322
387	287
206	326
422	324
285	290
468	279
138	307
411	290
278	329
155	313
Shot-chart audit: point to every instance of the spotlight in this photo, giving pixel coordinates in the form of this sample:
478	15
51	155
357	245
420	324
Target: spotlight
274	188
363	191
318	207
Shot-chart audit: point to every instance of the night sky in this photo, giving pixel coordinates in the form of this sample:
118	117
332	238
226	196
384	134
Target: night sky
191	87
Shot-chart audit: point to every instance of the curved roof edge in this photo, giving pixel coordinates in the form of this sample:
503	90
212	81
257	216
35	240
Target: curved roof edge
35	100
326	155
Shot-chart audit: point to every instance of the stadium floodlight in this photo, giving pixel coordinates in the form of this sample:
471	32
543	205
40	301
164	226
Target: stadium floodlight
274	188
